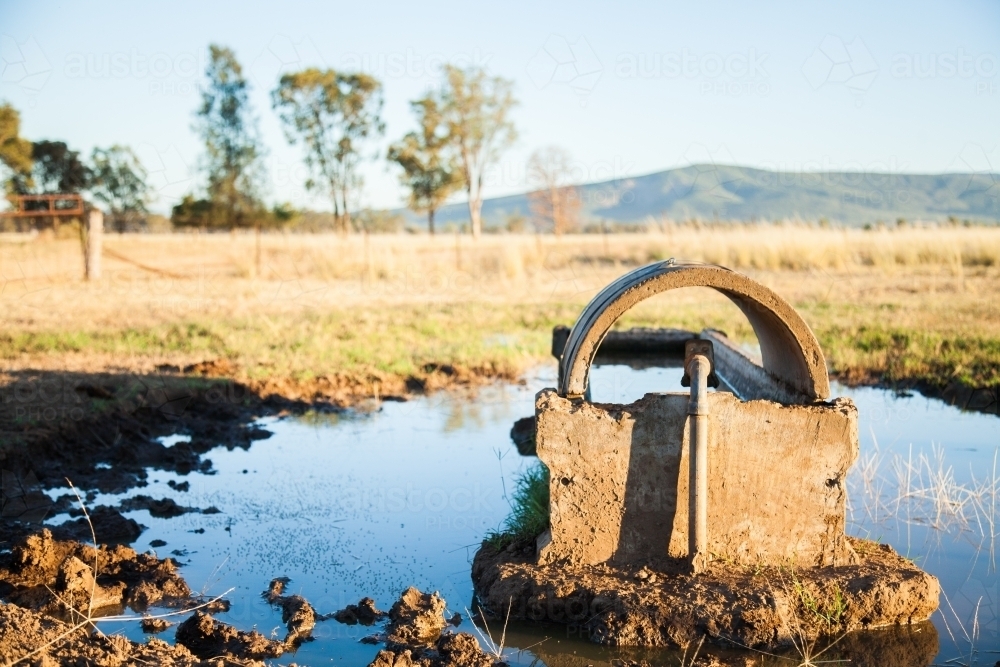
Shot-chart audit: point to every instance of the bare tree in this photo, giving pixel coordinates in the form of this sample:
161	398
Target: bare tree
555	201
476	109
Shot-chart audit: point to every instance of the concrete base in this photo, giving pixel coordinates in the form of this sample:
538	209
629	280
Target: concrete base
619	480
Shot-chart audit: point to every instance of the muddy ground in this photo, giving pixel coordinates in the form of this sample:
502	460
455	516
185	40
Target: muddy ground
763	608
55	591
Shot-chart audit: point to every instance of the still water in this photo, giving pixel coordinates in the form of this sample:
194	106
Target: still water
369	503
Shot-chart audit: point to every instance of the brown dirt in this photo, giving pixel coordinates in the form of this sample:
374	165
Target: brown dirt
364	612
49	592
296	612
155	625
415	637
450	650
56	577
207	638
416	619
762	608
49	588
23	632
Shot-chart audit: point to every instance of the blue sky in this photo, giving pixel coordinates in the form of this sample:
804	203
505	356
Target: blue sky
627	87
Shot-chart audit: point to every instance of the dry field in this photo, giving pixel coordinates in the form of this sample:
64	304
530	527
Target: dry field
910	305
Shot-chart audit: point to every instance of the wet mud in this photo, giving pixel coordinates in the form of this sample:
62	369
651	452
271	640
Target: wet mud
416	636
55	591
296	612
206	638
66	578
734	607
364	612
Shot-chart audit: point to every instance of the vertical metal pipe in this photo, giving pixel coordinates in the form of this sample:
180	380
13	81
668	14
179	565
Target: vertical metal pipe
698	368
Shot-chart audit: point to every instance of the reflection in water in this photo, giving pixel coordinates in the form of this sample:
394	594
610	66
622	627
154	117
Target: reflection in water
557	646
350	505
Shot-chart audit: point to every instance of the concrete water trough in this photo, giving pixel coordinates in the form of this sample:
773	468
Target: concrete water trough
701	513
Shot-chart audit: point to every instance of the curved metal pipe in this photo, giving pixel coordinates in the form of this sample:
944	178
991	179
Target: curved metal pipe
789	350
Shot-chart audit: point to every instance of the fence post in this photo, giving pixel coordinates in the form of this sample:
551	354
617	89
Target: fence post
92	244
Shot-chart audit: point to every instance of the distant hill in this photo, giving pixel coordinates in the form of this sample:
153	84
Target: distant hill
712	192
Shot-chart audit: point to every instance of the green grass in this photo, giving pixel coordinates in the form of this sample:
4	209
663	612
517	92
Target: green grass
502	340
497	340
828	610
529	510
900	355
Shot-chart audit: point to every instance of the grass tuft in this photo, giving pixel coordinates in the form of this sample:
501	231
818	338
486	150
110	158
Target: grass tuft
529	510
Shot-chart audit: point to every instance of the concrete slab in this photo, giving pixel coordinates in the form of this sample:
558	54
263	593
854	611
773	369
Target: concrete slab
776	480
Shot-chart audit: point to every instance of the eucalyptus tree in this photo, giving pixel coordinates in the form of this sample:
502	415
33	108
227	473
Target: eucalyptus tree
233	151
332	114
431	169
475	108
15	151
119	180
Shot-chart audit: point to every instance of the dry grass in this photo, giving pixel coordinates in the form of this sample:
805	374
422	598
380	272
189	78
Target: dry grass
909	304
923	489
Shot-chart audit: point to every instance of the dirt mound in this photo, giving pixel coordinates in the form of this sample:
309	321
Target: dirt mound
154	625
208	638
450	650
23	632
415	638
296	612
763	608
364	612
416	619
57	577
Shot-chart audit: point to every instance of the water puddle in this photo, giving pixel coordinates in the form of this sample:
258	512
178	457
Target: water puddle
368	504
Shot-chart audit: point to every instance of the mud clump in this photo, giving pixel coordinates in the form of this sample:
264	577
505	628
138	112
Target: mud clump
296	612
450	650
153	626
52	587
206	637
415	637
23	632
64	577
760	608
416	619
364	612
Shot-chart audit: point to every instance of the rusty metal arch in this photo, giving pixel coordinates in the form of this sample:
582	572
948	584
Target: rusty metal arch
789	350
